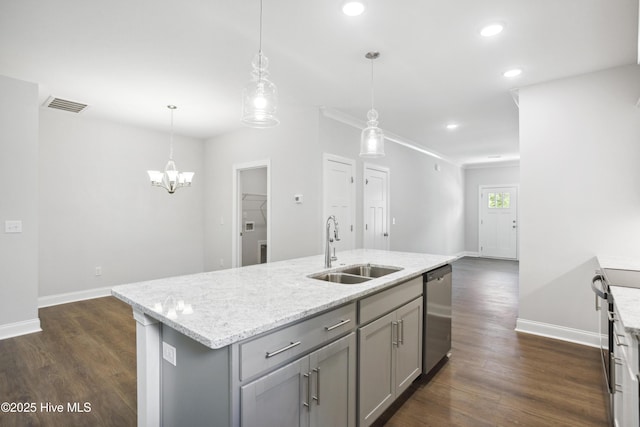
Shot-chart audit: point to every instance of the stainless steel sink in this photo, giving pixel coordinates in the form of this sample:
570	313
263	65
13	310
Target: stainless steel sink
347	279
368	270
353	274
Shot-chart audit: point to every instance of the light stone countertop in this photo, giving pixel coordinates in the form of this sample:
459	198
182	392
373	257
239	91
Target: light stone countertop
227	306
627	299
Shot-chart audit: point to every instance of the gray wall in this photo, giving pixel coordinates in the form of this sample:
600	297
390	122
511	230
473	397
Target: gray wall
295	158
97	207
580	190
18	201
427	205
474	178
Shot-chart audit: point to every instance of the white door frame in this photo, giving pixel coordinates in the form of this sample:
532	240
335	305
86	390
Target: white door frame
480	206
386	170
236	242
325	214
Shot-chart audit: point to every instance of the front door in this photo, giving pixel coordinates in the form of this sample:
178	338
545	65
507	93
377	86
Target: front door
499	222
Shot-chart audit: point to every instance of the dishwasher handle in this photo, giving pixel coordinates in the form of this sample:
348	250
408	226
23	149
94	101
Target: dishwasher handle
438	273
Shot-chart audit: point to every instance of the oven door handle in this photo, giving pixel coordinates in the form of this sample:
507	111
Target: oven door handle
600	293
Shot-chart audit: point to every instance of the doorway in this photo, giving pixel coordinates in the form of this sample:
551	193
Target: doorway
498	228
251	214
376	207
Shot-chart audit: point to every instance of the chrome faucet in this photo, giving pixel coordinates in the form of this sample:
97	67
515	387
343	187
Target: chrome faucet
327	251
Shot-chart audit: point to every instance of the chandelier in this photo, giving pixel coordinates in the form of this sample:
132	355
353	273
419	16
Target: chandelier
372	137
171	179
260	95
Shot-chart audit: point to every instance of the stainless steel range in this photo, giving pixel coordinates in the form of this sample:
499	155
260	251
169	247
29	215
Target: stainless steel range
601	284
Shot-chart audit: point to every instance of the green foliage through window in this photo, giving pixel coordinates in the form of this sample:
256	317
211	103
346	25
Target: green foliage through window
499	200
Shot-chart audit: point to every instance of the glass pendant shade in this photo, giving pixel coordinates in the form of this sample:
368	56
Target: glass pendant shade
260	97
372	137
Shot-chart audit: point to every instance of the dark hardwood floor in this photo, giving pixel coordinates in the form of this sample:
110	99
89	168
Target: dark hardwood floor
499	377
495	377
85	354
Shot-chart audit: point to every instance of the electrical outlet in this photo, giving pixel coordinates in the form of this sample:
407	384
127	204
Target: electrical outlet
98	271
169	353
14	226
221	262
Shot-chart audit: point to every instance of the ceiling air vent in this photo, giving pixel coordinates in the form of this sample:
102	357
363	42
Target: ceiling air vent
65	105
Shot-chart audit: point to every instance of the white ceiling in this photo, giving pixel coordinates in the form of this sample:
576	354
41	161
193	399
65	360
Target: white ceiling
128	59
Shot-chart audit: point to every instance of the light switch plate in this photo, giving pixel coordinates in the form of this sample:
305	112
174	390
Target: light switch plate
14	226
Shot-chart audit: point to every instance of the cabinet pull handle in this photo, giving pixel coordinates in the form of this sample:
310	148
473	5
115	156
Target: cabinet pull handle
308	377
290	346
317	396
618	342
337	325
401	331
394	333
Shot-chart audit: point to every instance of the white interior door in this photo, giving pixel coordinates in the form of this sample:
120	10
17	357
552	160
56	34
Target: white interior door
499	222
339	198
376	207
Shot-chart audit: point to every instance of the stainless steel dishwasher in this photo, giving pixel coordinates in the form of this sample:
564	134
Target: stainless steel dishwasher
437	327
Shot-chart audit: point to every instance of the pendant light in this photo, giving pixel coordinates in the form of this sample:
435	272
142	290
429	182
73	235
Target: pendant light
171	179
372	138
260	95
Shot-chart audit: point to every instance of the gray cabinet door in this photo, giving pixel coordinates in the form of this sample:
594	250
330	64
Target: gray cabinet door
333	384
376	370
409	349
277	399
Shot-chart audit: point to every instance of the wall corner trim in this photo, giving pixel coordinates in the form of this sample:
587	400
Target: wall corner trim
576	336
25	327
65	298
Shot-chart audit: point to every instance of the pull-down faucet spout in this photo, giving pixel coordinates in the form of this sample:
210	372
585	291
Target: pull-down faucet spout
327	251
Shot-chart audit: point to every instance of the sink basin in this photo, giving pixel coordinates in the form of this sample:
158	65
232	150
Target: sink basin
368	270
352	274
347	279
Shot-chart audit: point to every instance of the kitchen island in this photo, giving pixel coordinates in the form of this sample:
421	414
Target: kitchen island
208	342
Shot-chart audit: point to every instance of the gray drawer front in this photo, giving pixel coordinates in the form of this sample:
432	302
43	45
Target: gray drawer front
267	351
381	303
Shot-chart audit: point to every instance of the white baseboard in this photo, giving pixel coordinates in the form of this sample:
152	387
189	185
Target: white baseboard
20	328
563	333
469	254
50	300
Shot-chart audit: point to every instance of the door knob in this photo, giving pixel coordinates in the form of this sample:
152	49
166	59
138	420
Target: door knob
386	234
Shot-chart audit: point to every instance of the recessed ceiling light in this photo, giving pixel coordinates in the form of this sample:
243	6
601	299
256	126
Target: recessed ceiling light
491	30
512	73
452	126
353	8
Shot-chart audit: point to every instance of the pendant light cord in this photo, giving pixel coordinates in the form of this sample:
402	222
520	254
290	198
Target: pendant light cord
372	83
260	47
171	136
